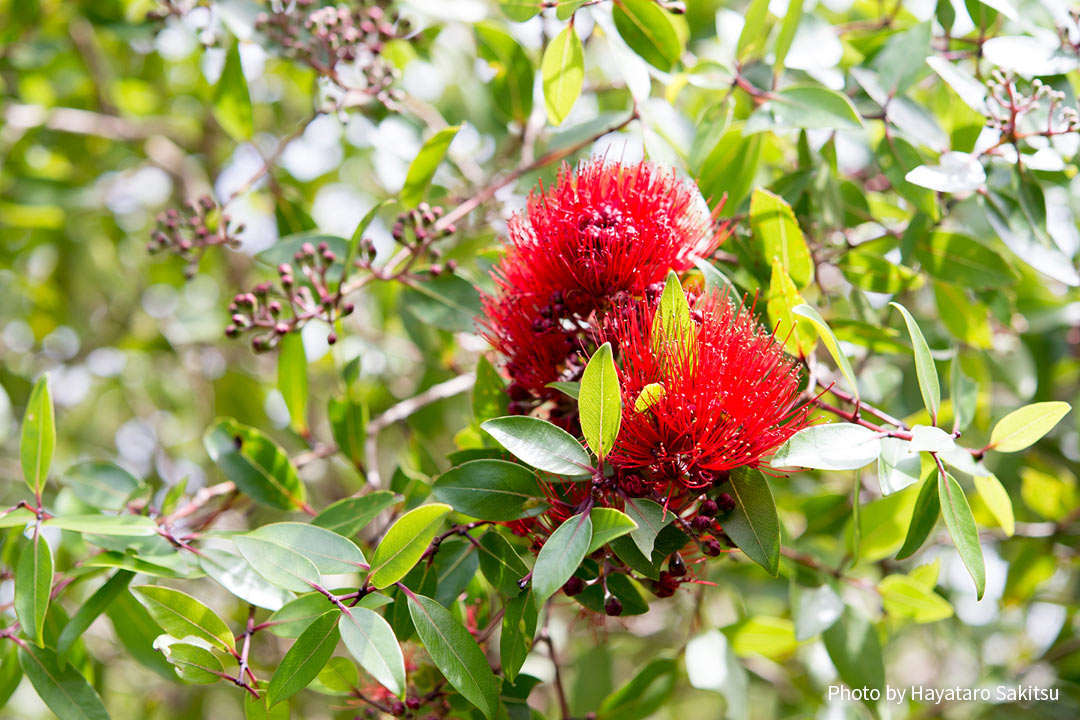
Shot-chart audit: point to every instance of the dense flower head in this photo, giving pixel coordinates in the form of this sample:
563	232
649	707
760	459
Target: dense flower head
601	235
724	396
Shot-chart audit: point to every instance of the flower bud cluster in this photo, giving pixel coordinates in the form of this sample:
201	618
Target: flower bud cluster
189	230
271	311
1009	105
325	37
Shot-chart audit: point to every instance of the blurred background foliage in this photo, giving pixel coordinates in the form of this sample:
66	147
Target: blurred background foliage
890	128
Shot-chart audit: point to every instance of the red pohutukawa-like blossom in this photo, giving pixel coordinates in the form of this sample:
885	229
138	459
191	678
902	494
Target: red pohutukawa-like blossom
601	235
729	398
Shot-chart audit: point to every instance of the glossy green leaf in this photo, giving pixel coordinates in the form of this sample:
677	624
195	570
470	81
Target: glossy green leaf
521	10
600	402
649	32
489	398
904	597
753	26
278	564
371	641
563	73
423	167
754	526
787	34
783	298
925	369
832	446
649	396
809	107
255	463
518	631
350	515
560	556
456	654
1023	427
962	260
491	490
961	525
775	226
501	564
672	328
38	436
540	444
644	694
923	518
512	86
232	101
348	424
181	615
650	518
608	524
292	380
104	485
854	649
305	659
331	553
404	543
234	574
63	689
832	344
33	587
193	663
94	606
997	501
115	525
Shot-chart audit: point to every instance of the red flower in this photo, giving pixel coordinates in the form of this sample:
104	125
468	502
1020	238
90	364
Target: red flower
602	234
729	398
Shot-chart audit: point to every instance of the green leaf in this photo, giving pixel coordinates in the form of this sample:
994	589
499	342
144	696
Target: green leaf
569	389
136	631
104	485
565	9
518	631
832	344
898	465
232	101
754	526
959	259
491	490
116	525
332	554
600	401
193	663
870	271
608	524
672	328
649	32
423	167
489	398
997	501
11	673
904	597
292	380
501	564
447	301
91	609
925	369
650	518
38	436
348	424
521	10
340	675
903	59
234	574
787	34
33	586
854	649
961	525
278	564
305	659
809	107
350	515
371	641
404	544
1023	427
964	393
649	396
255	463
833	446
774	224
181	615
540	444
753	26
783	298
644	694
729	168
560	556
563	72
63	689
456	654
512	86
923	518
